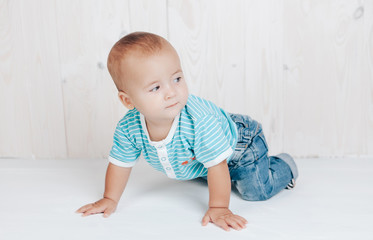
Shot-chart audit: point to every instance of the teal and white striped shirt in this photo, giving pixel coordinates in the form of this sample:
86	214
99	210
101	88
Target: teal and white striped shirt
202	136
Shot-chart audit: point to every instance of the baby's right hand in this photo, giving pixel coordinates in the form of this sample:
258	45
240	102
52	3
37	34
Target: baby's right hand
105	205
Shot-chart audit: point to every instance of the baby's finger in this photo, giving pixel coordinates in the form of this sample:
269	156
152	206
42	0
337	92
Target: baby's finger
242	219
92	210
108	211
84	208
95	208
221	223
205	220
233	223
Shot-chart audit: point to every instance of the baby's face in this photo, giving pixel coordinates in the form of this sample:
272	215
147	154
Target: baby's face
155	84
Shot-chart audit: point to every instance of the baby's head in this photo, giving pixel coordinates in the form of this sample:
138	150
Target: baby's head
147	73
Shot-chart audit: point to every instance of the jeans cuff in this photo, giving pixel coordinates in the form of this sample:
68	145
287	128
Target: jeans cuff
290	161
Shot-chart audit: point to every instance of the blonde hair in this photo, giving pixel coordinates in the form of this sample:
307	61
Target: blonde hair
144	42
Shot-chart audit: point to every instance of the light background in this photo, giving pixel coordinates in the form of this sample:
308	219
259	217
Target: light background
304	69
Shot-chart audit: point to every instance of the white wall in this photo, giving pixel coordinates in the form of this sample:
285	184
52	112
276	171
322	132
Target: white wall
302	68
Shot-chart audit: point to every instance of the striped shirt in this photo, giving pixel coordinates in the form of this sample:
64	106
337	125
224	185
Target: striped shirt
201	136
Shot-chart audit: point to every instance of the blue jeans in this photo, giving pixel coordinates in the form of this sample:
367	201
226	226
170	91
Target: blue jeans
256	175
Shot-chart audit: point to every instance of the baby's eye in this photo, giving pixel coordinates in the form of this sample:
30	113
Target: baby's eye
155	89
177	79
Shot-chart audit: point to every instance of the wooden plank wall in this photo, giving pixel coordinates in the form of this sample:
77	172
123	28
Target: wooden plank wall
304	69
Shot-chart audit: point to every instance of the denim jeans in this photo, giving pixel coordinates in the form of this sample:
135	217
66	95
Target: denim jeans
256	175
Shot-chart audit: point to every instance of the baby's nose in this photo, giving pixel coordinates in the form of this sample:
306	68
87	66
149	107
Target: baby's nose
170	92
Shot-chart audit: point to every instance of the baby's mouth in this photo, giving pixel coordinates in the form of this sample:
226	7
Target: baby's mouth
172	105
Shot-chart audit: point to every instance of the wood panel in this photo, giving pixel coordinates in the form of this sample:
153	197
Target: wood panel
304	69
210	43
87	30
264	69
149	16
367	75
324	49
15	130
33	98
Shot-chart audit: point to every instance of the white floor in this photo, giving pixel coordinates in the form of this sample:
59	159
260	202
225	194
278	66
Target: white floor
333	199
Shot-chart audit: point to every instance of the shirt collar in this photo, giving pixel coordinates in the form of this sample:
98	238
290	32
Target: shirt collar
170	134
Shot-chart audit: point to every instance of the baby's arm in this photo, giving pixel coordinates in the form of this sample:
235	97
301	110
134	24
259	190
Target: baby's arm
116	181
219	183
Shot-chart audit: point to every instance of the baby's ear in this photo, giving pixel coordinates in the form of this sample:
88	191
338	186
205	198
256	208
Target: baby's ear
125	100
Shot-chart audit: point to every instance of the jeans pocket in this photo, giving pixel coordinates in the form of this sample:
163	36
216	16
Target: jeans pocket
259	144
243	139
243	129
235	158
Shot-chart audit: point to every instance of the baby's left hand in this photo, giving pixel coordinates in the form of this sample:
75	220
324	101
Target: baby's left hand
224	218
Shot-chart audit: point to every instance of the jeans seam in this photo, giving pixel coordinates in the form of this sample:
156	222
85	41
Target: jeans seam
260	182
253	149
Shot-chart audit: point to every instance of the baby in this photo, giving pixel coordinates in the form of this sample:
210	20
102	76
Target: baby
184	136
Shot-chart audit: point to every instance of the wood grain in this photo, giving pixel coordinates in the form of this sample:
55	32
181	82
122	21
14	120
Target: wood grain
304	69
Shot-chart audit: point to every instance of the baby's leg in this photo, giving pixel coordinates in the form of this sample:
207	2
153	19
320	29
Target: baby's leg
256	175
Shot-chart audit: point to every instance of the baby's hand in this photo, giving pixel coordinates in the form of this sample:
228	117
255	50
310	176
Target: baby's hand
224	218
105	205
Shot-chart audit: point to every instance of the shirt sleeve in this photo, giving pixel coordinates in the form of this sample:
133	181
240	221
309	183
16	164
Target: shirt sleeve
211	142
124	152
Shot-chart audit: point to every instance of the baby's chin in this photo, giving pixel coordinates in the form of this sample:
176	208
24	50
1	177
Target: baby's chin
174	112
180	108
